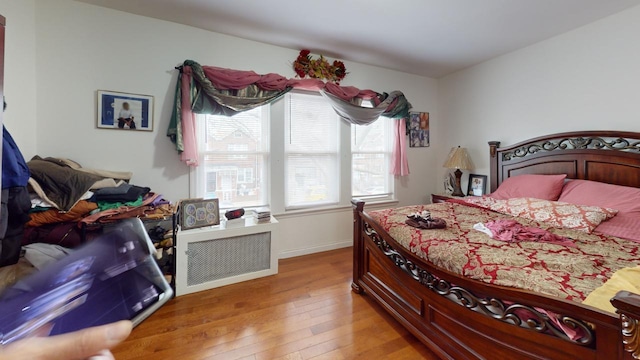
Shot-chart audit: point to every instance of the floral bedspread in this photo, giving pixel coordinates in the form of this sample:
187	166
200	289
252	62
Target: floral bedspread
566	272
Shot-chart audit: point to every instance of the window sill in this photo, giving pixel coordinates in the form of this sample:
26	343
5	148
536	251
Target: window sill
381	204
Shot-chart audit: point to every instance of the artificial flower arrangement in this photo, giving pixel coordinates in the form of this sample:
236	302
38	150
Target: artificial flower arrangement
320	68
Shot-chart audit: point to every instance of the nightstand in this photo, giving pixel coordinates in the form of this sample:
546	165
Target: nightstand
439	198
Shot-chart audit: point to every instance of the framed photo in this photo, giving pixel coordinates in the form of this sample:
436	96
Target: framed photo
418	129
477	185
195	213
122	111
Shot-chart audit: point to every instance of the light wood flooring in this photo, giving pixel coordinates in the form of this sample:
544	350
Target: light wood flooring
307	311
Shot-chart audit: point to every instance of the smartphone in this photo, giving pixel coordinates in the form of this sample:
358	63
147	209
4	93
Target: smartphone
113	277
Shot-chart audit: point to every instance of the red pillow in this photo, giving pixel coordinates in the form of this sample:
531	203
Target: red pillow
545	187
625	199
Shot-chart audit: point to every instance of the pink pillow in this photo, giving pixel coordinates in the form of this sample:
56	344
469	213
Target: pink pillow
545	187
585	192
625	199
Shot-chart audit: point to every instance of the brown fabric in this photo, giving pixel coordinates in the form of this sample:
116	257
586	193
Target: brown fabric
80	210
433	223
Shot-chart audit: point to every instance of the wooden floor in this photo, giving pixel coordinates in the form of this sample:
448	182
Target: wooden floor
307	311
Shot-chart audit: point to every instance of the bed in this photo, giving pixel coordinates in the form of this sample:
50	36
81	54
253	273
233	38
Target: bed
463	318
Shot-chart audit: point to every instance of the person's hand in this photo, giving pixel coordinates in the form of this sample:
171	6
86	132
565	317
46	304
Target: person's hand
93	343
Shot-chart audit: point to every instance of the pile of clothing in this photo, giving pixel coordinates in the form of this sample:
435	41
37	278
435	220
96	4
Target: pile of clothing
68	201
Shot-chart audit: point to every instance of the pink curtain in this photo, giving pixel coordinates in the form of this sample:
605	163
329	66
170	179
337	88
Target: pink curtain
190	153
399	162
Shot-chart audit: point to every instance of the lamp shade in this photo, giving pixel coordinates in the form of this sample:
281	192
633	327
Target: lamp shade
458	159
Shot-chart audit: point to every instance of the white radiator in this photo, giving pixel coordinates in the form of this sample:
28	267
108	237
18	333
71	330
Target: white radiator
210	257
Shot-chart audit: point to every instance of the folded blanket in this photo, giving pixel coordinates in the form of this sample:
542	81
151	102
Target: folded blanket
123	193
623	279
62	182
115	175
59	184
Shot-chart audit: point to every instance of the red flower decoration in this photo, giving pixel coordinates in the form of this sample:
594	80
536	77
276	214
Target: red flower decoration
305	65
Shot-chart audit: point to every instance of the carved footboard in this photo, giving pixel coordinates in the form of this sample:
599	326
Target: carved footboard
628	305
459	318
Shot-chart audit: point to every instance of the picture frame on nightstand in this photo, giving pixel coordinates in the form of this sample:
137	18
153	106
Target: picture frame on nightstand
477	185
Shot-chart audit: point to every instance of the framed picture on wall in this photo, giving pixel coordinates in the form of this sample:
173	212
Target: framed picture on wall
418	129
195	213
477	185
123	111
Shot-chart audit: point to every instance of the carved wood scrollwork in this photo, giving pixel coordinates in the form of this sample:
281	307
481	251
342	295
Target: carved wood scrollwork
507	312
597	143
630	335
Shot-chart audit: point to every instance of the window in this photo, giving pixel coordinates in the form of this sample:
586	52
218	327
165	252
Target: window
313	159
318	168
311	151
234	155
371	147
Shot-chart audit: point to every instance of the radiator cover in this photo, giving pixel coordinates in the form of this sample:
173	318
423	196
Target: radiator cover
221	258
213	257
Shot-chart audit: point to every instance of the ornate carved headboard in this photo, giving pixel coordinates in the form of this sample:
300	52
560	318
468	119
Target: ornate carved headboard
607	156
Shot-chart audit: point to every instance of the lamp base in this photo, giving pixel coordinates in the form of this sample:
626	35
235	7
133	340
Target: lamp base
457	190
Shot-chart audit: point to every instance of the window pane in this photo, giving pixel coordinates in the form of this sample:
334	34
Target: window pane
313	124
369	174
311	179
241	132
232	180
371	151
311	147
369	137
234	163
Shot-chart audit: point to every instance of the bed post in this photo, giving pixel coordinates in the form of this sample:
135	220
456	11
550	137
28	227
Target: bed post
493	171
358	207
628	306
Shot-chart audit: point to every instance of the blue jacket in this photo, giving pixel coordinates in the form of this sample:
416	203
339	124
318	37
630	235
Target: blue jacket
15	171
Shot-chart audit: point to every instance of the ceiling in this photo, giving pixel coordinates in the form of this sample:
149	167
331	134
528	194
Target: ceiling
425	37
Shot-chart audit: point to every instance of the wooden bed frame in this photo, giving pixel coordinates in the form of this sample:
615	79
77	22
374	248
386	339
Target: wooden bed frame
459	318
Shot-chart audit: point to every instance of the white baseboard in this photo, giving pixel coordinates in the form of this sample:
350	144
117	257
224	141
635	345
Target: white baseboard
315	249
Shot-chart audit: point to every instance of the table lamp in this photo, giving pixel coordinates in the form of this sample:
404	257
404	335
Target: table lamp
458	159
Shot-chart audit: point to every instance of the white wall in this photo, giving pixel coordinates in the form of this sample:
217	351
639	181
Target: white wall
80	48
587	79
20	73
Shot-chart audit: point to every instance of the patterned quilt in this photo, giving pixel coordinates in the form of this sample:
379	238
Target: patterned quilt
568	272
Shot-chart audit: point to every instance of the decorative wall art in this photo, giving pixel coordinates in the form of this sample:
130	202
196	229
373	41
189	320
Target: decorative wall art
124	111
418	129
195	213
